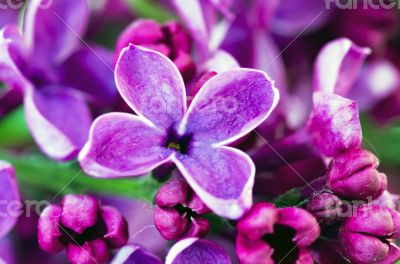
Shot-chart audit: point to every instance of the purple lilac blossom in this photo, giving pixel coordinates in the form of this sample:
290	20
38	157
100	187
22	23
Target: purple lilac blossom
134	254
83	227
271	235
41	65
193	139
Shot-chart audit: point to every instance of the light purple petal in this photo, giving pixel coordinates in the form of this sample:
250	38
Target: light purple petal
338	65
122	145
59	121
53	29
134	254
12	58
230	105
334	124
151	85
193	17
222	177
8	15
8	195
90	70
194	250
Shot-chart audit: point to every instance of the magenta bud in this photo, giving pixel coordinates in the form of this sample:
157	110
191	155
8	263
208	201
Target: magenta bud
366	235
170	223
93	252
354	175
326	207
79	212
179	211
172	193
85	229
169	39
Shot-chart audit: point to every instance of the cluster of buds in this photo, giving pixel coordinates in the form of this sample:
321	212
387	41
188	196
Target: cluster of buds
87	230
169	39
178	212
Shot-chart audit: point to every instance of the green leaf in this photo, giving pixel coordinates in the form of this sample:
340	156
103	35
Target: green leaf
150	9
383	141
288	199
13	129
58	179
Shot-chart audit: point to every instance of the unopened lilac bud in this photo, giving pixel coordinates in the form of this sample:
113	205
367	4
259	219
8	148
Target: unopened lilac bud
366	235
170	223
326	207
87	230
179	211
354	175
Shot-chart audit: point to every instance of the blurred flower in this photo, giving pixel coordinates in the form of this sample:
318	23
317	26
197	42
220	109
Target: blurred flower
271	235
353	175
9	194
194	250
193	139
366	236
179	211
168	39
54	75
84	228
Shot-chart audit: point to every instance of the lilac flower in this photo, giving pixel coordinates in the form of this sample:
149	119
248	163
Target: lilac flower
179	211
366	236
134	254
84	228
46	67
271	235
194	139
194	250
168	39
354	175
8	194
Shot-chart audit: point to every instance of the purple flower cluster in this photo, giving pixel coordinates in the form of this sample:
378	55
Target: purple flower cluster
246	116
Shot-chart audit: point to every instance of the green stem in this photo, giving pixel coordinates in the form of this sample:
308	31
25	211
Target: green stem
150	9
13	129
38	172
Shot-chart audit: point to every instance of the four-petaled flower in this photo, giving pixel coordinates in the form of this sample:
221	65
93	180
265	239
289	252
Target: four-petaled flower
227	107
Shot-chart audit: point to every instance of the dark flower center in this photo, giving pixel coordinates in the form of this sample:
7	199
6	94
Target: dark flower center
92	233
285	249
179	143
185	210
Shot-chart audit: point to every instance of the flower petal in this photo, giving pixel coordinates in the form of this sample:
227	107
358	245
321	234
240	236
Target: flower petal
52	29
94	66
49	233
222	177
194	250
122	145
9	195
91	252
117	227
306	226
253	251
334	124
338	65
133	254
59	121
12	58
191	13
151	85
230	105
